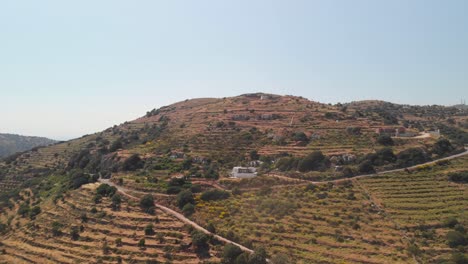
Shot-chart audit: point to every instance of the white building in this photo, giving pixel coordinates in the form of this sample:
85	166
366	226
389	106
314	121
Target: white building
243	172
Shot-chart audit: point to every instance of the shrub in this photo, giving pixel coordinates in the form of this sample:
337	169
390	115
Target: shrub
459	258
385	140
411	156
84	218
353	130
258	257
280	259
414	250
199	241
188	209
133	163
106	190
254	155
116	145
314	161
460	176
442	147
286	164
34	212
366	167
56	226
23	210
230	253
147	203
173	190
118	242
75	233
185	197
214	194
300	136
450	222
149	230
142	243
116	202
455	239
242	258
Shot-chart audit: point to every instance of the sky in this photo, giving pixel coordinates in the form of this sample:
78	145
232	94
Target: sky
69	68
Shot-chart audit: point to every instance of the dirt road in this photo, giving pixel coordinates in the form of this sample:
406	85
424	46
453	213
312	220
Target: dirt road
374	174
179	216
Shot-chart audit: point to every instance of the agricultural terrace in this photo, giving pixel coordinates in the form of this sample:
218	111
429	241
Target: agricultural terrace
329	224
422	201
77	230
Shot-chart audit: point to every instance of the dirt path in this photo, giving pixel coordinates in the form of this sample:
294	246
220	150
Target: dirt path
302	181
179	216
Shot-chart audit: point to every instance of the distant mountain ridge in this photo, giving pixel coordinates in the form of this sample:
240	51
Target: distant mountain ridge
11	143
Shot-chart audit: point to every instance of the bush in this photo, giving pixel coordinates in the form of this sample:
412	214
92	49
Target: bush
34	212
455	239
314	161
230	253
149	230
147	203
280	258
142	243
460	176
300	136
366	167
353	130
286	163
459	258
214	194
106	190
185	197
385	140
442	147
23	210
411	157
56	226
414	250
450	222
75	233
118	242
133	163
116	202
199	240
116	145
258	257
254	155
188	209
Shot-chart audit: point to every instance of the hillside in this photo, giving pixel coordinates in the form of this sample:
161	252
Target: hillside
313	201
10	144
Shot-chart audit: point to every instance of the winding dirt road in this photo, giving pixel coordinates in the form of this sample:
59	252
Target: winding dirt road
179	216
125	191
371	175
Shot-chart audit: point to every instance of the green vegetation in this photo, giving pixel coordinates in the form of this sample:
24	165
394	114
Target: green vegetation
147	204
214	194
460	176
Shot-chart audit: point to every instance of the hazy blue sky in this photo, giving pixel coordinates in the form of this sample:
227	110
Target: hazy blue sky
69	68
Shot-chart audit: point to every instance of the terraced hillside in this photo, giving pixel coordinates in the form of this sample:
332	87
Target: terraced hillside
182	152
421	201
105	235
226	130
329	224
394	218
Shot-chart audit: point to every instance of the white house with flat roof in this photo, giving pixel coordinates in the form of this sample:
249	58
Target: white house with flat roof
243	172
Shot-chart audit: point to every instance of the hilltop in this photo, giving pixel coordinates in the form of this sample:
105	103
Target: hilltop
10	143
309	156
